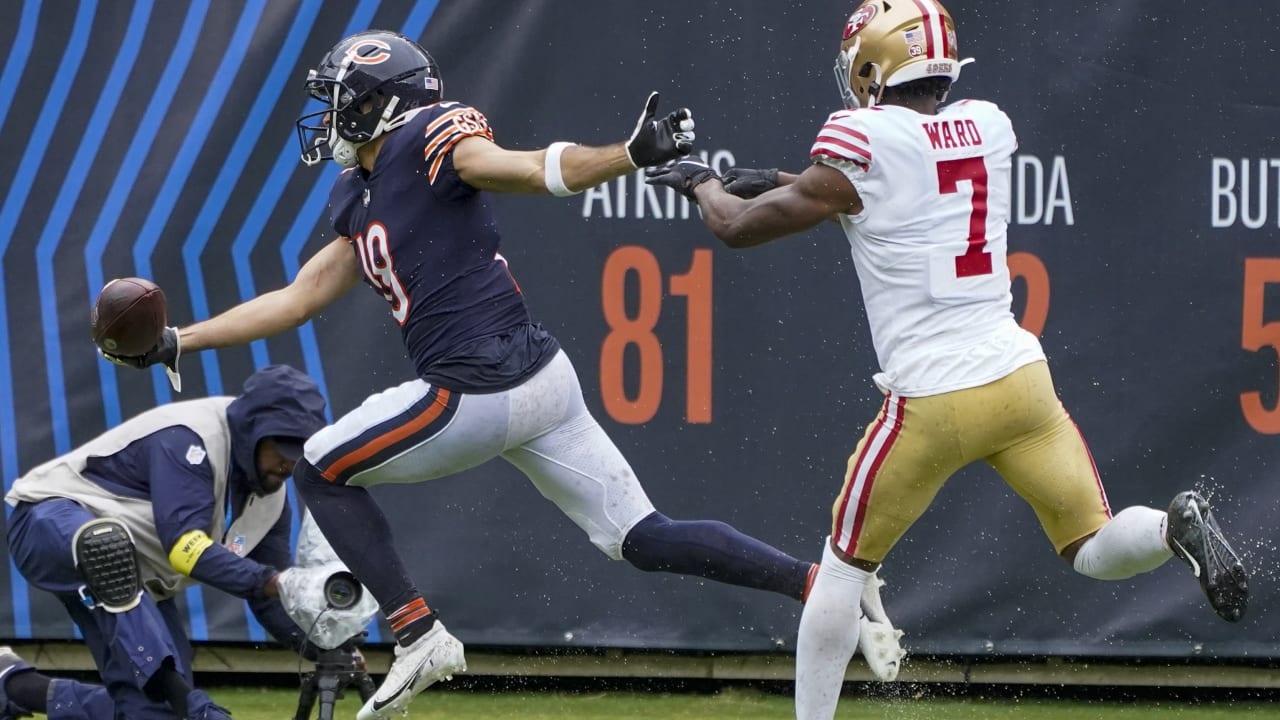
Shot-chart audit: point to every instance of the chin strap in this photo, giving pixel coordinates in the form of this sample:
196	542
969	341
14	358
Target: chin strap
875	90
344	151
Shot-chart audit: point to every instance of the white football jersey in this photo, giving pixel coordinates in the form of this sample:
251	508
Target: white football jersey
930	245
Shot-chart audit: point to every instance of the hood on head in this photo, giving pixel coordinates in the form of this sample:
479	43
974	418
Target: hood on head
277	400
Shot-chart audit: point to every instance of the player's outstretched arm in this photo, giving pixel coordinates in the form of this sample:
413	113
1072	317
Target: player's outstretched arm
328	275
565	168
817	194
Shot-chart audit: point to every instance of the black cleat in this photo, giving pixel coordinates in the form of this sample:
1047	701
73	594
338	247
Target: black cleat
108	562
1194	536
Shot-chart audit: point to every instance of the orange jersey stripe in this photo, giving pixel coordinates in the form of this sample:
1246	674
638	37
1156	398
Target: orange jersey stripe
445	118
440	142
385	440
444	153
433	142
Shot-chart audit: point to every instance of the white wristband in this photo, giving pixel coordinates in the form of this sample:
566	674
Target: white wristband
551	172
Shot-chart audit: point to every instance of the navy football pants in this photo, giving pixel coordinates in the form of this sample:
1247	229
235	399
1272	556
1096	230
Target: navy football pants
128	647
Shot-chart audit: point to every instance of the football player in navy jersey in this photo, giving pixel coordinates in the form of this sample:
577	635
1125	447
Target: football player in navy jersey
415	223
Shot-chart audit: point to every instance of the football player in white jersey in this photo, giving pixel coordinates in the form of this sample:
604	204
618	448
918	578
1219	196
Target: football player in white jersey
922	192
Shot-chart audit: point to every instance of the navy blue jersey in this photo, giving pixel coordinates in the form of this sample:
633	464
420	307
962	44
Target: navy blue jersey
428	243
170	469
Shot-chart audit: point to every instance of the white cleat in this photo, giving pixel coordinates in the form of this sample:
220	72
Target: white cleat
878	640
878	643
433	657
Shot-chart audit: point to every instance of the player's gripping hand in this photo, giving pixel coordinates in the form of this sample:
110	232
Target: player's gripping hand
750	182
165	353
657	141
682	176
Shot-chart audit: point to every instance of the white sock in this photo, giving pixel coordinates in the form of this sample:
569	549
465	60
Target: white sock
1131	543
828	636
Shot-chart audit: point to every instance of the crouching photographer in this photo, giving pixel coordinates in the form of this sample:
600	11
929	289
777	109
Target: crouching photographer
119	527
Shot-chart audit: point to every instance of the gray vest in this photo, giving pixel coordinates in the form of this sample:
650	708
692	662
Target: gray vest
61	478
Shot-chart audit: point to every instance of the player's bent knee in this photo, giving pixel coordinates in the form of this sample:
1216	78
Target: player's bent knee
1070	552
645	546
659	544
307	477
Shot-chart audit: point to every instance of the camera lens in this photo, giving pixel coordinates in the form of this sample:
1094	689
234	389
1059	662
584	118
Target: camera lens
342	591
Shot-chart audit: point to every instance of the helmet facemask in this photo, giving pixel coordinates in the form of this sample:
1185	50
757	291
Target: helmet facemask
347	123
844	78
844	69
367	83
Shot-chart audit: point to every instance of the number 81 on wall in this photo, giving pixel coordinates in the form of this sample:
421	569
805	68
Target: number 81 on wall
636	329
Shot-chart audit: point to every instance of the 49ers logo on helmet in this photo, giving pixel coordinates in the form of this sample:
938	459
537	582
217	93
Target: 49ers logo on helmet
859	20
359	53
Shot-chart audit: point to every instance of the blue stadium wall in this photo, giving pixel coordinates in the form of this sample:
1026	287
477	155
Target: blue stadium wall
156	139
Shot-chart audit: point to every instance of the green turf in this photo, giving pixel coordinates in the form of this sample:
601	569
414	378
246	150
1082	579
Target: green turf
736	704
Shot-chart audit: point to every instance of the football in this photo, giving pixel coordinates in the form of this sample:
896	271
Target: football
129	316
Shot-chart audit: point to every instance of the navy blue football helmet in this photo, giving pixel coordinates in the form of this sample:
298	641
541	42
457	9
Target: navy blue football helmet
368	81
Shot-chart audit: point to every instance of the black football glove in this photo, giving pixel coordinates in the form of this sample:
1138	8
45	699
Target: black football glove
750	182
682	176
657	141
165	353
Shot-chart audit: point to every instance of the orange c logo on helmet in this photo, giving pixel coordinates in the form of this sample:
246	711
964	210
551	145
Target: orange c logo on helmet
859	19
354	55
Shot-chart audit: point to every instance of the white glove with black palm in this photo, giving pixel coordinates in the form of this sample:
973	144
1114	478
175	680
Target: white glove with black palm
655	142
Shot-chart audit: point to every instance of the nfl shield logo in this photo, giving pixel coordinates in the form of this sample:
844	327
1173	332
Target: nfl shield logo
237	545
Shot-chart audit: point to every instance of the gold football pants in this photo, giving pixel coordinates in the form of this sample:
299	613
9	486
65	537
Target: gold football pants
1016	424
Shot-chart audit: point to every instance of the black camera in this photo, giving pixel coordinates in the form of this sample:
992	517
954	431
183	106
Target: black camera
342	590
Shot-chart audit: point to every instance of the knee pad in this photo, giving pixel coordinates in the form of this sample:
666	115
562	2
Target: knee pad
107	559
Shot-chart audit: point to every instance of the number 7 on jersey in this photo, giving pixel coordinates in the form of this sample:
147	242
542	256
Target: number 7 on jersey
975	260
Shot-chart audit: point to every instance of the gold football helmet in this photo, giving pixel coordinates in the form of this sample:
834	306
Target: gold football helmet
890	42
